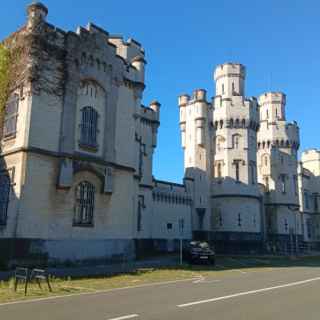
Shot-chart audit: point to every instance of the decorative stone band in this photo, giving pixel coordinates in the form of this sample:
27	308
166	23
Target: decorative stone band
74	156
235	195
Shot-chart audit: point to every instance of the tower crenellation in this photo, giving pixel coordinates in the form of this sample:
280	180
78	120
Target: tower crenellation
272	106
230	78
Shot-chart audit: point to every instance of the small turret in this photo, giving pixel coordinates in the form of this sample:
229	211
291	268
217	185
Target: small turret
37	13
230	78
272	106
139	63
155	106
311	160
183	100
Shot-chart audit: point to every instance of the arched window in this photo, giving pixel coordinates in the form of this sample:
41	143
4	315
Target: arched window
85	194
89	127
235	141
283	183
4	197
236	164
219	143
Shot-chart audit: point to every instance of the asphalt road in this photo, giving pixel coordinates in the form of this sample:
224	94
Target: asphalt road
286	293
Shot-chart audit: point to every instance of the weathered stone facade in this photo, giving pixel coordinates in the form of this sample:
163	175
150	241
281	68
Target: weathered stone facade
77	152
49	156
241	154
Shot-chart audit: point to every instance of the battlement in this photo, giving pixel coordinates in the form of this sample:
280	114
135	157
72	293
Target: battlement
272	98
37	8
150	112
155	106
310	155
229	69
129	50
199	95
183	100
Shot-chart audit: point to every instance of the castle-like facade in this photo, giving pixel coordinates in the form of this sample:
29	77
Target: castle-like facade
77	150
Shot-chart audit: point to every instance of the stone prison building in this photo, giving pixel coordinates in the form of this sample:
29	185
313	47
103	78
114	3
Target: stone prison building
77	148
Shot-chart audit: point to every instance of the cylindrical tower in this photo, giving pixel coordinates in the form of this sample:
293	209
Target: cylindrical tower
236	121
195	126
236	198
278	143
230	79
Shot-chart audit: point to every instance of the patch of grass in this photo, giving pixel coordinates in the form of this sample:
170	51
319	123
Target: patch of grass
224	266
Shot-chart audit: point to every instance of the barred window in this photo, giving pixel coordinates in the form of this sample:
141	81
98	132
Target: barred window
10	117
85	194
89	127
4	197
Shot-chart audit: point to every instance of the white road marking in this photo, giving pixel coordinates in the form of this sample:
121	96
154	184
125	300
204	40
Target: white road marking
297	283
199	279
129	316
97	292
202	279
237	270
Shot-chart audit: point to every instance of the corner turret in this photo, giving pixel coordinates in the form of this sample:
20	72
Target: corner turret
37	13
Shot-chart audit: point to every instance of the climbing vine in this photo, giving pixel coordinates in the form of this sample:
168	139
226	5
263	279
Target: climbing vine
4	75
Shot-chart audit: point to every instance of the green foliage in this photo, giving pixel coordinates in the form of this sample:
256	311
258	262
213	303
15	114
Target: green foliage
4	75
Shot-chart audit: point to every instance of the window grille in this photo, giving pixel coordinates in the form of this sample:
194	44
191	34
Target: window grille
4	197
89	127
85	196
10	117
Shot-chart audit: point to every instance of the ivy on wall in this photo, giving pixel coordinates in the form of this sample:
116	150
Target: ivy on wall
4	76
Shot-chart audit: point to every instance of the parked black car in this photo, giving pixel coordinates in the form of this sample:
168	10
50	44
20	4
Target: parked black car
199	252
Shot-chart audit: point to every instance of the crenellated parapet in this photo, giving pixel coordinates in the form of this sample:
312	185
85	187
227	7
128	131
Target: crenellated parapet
194	112
272	106
230	79
275	131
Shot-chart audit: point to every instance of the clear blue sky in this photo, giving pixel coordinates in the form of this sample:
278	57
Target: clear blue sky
277	40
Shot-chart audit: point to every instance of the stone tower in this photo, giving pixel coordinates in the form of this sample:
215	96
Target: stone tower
278	143
219	142
195	119
236	200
